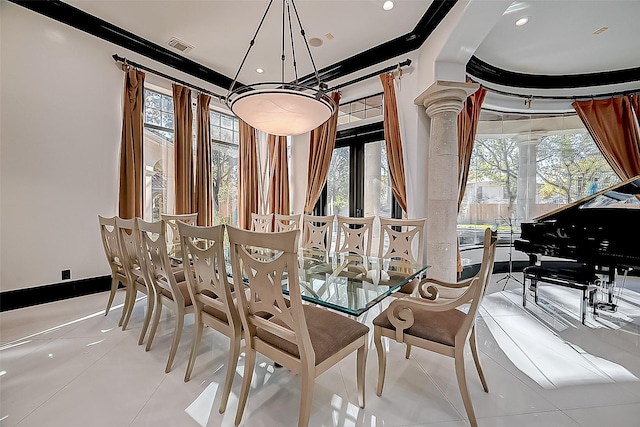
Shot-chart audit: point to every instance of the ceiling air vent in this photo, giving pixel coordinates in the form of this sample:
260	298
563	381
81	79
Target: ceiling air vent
179	44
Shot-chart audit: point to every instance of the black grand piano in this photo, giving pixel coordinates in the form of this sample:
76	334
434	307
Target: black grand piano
599	236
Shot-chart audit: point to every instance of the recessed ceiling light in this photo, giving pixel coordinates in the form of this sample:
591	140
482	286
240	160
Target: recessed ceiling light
315	42
600	30
259	70
522	21
388	5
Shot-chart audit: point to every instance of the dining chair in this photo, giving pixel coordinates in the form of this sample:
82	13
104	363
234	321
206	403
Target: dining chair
440	325
403	240
354	235
169	286
286	222
262	223
173	236
304	338
109	234
212	296
317	231
129	241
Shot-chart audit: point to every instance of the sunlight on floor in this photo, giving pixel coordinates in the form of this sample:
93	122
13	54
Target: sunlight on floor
543	355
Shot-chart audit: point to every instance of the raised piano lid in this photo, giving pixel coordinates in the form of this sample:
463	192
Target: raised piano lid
625	194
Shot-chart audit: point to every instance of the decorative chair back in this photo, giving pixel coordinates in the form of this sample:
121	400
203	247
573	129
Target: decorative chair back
157	264
173	234
354	235
286	222
316	231
262	223
403	238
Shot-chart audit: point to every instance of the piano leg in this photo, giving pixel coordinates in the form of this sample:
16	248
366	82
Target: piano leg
532	288
583	306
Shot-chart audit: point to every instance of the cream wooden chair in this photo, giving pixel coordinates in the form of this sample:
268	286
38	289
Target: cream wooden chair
212	295
316	231
129	241
109	234
438	325
354	235
173	235
169	285
263	223
404	242
300	337
286	222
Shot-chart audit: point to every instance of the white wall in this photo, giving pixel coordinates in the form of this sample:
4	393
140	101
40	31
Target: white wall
60	119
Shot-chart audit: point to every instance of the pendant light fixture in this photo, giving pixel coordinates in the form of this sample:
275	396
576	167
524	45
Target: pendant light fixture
282	108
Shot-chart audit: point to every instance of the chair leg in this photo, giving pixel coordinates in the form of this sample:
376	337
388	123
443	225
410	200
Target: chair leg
125	305
306	395
194	346
234	353
157	310
176	339
382	358
462	384
249	365
112	293
361	357
130	302
147	318
476	358
407	352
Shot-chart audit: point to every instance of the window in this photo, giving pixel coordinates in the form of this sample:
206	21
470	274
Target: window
224	168
159	160
364	108
524	166
158	154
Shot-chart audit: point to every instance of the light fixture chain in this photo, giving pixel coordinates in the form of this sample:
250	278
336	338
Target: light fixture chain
293	49
283	57
251	43
315	70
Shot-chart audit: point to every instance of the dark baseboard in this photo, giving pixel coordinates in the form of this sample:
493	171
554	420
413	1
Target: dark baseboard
19	298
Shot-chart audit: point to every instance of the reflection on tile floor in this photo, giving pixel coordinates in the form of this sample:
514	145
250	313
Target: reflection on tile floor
66	364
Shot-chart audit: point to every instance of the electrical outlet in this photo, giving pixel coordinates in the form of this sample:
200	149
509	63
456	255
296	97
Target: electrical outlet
66	274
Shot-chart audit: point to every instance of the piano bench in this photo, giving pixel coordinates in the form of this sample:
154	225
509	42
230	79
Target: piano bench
576	277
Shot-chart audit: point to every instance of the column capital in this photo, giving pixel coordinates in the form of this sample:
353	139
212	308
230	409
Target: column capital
445	96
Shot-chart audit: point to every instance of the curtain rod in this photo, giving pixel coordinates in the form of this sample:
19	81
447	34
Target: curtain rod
404	63
166	76
559	97
123	60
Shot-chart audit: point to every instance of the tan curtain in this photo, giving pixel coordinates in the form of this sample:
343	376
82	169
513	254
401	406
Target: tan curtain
131	192
202	195
321	143
248	175
612	125
393	140
635	103
183	146
467	127
279	179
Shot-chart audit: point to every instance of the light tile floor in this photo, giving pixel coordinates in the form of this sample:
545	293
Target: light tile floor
66	364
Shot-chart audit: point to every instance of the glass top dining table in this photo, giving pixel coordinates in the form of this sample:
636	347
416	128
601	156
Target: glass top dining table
347	282
350	283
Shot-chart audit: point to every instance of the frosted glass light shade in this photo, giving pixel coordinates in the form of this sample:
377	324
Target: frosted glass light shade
282	111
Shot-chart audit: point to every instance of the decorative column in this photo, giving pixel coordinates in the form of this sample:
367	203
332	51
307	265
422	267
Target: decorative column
526	198
443	101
